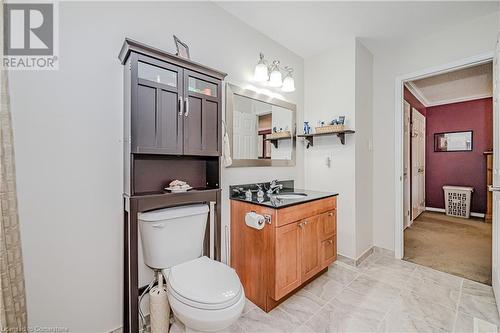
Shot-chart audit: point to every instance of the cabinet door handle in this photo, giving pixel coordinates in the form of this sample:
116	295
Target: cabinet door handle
330	241
187	106
330	214
181	106
301	225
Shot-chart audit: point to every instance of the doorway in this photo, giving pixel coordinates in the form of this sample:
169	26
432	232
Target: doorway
450	136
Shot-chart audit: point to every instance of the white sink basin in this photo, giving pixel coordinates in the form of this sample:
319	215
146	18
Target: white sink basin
291	195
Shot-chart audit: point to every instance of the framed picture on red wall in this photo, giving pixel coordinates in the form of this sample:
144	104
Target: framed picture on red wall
453	141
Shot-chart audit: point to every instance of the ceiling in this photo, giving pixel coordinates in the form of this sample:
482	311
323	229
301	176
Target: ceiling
307	28
456	86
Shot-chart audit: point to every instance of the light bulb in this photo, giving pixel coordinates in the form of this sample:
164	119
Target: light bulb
260	73
275	79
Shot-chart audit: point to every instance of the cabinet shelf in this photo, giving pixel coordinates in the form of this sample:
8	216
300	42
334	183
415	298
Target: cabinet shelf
310	137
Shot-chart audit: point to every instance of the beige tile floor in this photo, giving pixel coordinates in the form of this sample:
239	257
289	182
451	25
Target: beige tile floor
382	295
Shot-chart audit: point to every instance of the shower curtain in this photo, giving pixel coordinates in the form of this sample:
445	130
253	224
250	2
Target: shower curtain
13	316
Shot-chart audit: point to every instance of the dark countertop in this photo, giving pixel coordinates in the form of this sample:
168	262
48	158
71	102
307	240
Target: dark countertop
281	203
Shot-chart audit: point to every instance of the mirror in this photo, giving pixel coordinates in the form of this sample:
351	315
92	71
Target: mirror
453	141
261	129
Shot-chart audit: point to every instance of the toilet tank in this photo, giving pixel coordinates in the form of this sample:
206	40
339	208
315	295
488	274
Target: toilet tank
171	236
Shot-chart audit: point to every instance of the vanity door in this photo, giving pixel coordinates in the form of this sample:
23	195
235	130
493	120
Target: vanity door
202	115
156	107
310	247
288	255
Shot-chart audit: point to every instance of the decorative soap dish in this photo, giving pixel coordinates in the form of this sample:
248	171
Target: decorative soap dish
177	189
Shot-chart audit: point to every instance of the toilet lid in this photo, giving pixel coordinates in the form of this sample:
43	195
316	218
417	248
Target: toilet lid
205	283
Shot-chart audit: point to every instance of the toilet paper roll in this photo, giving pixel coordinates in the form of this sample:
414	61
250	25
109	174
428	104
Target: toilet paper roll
159	309
254	220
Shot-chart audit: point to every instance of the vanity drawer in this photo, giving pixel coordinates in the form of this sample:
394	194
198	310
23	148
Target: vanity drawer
328	224
328	251
305	210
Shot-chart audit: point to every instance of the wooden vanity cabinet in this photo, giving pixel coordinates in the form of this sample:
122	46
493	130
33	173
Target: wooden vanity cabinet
298	244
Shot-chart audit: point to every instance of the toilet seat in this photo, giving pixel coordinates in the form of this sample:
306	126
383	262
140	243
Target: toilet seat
204	284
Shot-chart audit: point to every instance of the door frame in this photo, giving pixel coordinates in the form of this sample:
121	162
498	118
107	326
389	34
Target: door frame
407	197
399	132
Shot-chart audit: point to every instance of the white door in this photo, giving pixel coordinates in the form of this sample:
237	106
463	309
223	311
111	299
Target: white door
418	163
245	135
406	165
496	175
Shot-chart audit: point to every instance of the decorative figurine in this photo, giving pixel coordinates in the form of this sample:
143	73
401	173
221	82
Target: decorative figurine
307	128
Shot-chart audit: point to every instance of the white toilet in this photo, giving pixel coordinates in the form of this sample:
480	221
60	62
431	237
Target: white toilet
204	294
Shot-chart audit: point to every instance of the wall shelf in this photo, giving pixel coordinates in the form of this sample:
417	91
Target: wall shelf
310	137
275	140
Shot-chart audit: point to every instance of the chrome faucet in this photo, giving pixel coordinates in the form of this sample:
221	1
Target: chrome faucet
274	187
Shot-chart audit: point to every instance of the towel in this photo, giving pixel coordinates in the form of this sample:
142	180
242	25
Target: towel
226	151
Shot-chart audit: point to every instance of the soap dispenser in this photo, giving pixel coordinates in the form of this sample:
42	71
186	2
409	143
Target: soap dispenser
260	192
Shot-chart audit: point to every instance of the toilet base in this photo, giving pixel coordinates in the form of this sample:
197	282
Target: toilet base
198	320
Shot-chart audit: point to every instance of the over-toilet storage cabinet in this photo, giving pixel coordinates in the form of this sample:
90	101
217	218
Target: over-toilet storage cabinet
172	130
299	243
175	110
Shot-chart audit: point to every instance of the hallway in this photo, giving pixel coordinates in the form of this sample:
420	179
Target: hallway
454	245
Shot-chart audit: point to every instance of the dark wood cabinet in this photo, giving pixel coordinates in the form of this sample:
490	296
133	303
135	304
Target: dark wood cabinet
156	102
174	110
202	116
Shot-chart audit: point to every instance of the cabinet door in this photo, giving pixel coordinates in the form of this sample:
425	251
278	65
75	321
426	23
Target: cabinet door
288	259
328	251
156	117
202	115
310	247
327	225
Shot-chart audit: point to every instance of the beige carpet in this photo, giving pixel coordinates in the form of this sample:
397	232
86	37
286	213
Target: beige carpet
454	245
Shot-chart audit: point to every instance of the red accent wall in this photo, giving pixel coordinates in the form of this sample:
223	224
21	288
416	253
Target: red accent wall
458	168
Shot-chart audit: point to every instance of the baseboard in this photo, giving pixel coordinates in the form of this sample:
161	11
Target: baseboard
356	262
441	210
385	252
365	255
437	210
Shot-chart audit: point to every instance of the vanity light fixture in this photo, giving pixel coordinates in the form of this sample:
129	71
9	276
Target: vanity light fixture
288	81
273	75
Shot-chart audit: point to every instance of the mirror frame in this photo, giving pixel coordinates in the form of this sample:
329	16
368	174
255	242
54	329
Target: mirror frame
436	135
231	91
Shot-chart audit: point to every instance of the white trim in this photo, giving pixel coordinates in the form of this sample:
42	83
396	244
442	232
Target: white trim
398	136
417	93
442	210
460	99
421	98
437	210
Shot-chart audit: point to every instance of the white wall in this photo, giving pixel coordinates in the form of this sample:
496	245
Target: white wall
68	131
339	82
395	58
364	143
329	93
